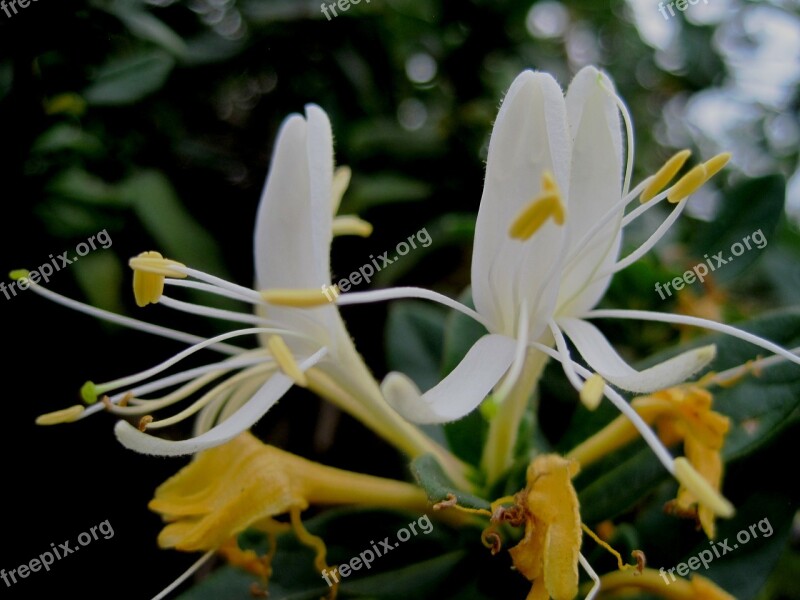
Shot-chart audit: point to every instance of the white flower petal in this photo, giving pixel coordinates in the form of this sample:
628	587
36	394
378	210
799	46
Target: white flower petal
602	357
530	136
458	393
293	225
243	419
595	186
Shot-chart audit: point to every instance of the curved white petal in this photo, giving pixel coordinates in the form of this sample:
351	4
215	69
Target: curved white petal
243	419
293	224
602	357
595	186
530	136
458	393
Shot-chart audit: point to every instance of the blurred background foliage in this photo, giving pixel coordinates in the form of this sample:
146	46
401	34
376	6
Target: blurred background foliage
154	120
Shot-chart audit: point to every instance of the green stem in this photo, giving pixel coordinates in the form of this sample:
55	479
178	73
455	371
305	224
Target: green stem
498	454
376	414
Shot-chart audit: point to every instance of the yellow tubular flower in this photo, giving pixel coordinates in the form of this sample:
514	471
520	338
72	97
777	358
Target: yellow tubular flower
548	554
680	414
245	484
625	583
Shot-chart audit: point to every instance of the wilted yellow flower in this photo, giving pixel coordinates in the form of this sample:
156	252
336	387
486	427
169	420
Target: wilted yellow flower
548	554
245	484
681	413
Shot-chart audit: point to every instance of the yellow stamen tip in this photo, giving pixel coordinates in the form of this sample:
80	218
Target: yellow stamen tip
688	184
65	415
299	298
715	164
18	274
549	182
706	495
351	225
535	214
664	175
592	391
149	271
283	356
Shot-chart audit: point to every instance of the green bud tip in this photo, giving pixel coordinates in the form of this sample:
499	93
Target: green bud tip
18	274
89	392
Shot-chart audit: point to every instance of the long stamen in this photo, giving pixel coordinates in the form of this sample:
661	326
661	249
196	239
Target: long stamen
90	391
219	368
592	575
519	355
626	119
214	289
105	315
188	573
209	396
646	315
654	238
623	406
221	283
214	313
286	362
408	292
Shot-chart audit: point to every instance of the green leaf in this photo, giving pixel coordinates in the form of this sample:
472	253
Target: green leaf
432	478
755	205
66	137
419	580
414	333
127	80
382	188
147	27
77	184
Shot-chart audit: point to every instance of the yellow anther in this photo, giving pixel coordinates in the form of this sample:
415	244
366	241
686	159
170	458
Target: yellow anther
592	391
283	356
18	274
544	206
341	180
664	175
65	415
548	182
714	165
149	271
688	184
533	216
351	225
297	298
689	478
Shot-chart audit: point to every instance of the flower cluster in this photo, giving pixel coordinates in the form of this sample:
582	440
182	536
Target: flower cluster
555	204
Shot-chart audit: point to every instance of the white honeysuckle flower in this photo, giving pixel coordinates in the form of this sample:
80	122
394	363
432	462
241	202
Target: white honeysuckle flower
307	346
547	243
